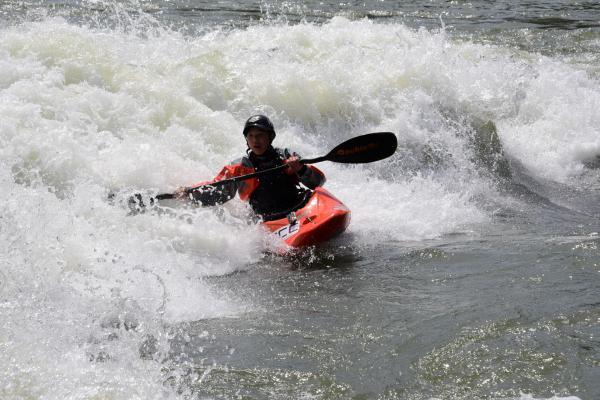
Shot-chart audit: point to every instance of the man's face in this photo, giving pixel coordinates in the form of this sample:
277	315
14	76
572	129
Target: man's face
258	141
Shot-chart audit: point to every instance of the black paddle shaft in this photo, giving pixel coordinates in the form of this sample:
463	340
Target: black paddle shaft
358	150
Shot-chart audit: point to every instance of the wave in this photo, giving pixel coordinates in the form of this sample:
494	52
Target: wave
86	111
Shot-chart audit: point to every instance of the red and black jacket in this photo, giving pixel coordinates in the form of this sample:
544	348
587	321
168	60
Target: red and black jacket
268	194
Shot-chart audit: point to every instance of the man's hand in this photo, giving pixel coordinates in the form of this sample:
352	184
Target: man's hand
181	192
294	164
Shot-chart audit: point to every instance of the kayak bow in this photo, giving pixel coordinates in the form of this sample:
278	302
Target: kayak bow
323	217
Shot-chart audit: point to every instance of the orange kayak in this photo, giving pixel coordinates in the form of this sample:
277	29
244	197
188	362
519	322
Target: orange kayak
320	219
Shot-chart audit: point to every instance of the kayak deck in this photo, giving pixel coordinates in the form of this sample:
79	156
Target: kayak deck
323	217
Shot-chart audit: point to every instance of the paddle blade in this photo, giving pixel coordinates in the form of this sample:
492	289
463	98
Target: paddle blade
365	148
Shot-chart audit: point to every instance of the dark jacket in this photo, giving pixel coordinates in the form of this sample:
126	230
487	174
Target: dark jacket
269	194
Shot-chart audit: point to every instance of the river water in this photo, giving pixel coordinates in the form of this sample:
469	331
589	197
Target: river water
471	268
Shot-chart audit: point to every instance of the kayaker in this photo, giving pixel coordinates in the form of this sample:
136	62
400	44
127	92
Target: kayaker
282	191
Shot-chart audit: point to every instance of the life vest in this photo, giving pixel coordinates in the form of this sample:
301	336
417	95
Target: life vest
267	194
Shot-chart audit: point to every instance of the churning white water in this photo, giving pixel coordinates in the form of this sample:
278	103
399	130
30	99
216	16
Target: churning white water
85	112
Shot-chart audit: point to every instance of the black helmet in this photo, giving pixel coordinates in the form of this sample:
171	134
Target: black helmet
261	122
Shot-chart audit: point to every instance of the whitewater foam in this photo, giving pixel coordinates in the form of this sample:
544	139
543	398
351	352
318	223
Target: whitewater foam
85	112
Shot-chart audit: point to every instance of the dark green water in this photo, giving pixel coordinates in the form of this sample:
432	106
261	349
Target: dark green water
491	317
